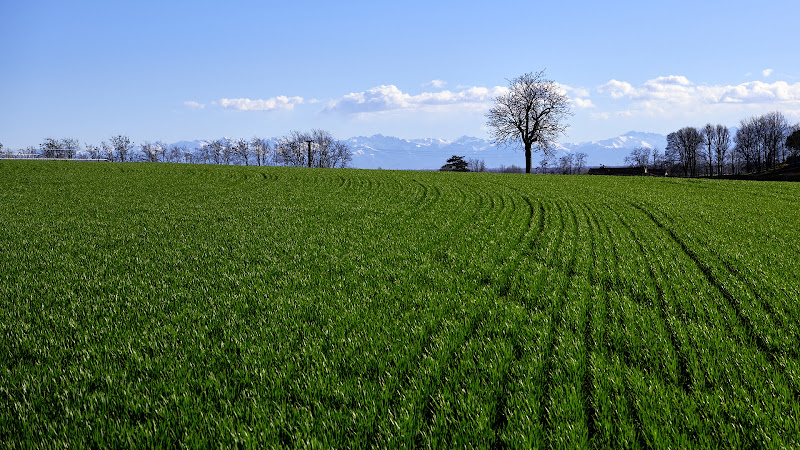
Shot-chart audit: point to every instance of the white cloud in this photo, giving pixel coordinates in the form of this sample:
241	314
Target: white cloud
391	98
617	89
193	104
576	96
577	92
676	94
438	84
766	72
582	103
280	102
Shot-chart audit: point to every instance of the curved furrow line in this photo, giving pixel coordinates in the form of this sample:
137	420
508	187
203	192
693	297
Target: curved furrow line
639	236
343	180
587	383
752	340
784	321
758	370
331	181
402	385
586	231
445	365
636	324
524	235
434	198
269	175
482	204
505	273
571	418
754	336
424	194
461	204
500	219
554	311
560	275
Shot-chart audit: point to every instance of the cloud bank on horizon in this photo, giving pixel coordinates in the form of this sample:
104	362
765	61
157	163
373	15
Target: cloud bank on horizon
662	97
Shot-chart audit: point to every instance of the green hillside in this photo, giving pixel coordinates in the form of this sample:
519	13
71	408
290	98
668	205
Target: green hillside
155	305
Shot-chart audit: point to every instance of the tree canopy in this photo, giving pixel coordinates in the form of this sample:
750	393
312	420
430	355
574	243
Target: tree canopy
455	164
531	113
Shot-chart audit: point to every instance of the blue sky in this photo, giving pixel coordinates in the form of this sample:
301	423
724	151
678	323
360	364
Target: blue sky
200	70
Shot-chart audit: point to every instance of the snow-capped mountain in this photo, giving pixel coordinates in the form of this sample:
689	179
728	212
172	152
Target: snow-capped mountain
389	152
191	145
394	153
612	152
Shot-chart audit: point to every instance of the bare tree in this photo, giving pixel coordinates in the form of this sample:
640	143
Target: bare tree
69	148
709	136
684	144
50	148
510	169
531	113
59	148
580	162
292	150
329	152
774	129
722	143
214	151
476	165
93	151
547	161
242	151
227	150
260	148
639	157
748	154
150	152
659	159
793	145
107	150
175	153
566	163
122	146
761	141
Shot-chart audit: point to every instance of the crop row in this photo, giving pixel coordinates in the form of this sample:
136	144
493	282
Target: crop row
155	304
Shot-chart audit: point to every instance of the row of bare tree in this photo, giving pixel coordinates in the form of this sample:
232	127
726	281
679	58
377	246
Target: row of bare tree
569	164
316	148
760	143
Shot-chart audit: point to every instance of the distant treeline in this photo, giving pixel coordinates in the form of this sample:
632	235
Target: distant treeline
316	148
761	143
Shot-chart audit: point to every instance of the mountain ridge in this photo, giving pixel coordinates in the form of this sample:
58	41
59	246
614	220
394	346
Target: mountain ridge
389	152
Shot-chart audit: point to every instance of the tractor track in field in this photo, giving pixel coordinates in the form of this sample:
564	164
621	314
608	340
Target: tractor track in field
625	354
683	378
507	267
528	243
774	316
502	277
453	358
755	339
708	274
557	313
587	382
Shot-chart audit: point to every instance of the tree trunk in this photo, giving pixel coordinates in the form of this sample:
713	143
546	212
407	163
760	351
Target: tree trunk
528	157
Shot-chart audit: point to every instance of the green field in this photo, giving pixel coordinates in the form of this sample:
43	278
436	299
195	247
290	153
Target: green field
153	305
